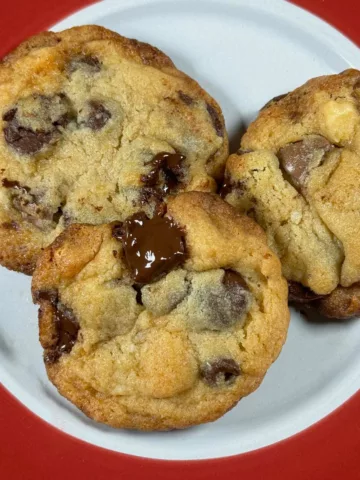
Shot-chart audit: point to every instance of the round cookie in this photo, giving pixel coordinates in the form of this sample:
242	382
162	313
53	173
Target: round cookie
298	174
161	323
95	127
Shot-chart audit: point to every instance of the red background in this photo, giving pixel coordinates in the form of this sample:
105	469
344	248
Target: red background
31	449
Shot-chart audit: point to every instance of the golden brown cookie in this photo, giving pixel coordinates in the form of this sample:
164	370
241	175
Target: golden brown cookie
95	127
161	323
298	174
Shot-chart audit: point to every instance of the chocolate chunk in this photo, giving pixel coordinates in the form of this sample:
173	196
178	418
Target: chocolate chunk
169	166
185	98
98	116
57	215
228	309
8	116
29	205
117	230
63	120
66	325
273	100
235	285
218	306
152	247
298	158
89	63
14	184
216	121
50	295
229	186
226	189
24	140
67	328
137	288
217	372
300	294
34	122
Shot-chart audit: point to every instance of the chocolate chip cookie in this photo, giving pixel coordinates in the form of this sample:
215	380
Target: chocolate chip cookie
163	322
298	174
95	127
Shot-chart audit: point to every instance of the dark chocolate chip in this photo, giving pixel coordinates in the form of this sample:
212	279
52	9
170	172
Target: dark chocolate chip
66	324
117	230
30	206
98	116
137	288
217	372
224	308
226	188
152	247
297	158
50	295
63	120
15	184
300	294
24	140
170	165
216	121
9	115
67	328
230	186
88	62
185	98
273	100
55	110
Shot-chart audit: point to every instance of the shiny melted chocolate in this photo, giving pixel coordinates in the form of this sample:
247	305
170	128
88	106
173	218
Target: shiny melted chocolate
171	166
66	325
152	247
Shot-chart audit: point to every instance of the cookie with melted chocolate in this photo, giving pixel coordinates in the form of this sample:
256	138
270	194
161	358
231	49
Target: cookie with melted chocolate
109	128
300	176
164	322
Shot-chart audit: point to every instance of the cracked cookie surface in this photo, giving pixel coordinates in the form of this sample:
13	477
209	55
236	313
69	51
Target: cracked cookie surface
298	174
174	338
93	128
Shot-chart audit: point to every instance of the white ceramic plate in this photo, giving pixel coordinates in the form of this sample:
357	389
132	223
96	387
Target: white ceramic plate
243	53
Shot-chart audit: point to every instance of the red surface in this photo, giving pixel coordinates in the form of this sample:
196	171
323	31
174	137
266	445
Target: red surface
31	449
